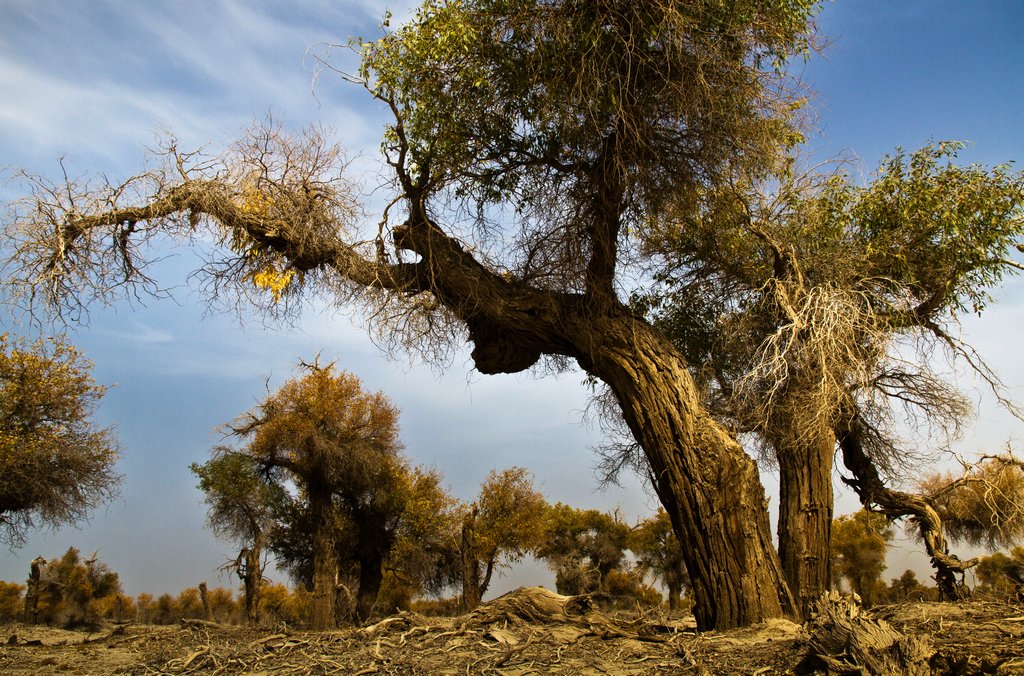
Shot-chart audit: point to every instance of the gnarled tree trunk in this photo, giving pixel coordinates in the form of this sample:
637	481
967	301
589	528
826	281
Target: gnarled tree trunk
707	484
867	483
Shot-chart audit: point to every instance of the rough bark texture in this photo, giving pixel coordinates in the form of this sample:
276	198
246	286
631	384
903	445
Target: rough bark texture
470	566
845	642
805	516
325	566
708	485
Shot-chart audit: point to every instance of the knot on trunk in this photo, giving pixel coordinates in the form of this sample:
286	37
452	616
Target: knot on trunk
497	350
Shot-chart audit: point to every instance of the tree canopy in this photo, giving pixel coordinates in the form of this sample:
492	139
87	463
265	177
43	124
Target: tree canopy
56	463
504	524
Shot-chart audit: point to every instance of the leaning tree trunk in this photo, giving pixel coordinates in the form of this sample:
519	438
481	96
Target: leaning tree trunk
708	485
805	514
325	563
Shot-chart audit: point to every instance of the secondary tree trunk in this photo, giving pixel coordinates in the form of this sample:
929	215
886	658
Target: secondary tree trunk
875	495
32	590
805	515
252	581
707	484
204	597
325	565
470	565
370	579
375	542
673	594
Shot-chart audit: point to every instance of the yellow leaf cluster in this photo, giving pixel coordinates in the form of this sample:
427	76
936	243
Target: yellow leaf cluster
254	201
271	279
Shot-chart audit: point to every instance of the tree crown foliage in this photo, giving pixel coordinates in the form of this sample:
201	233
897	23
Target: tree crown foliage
790	296
510	516
859	544
565	117
241	503
582	546
56	463
324	424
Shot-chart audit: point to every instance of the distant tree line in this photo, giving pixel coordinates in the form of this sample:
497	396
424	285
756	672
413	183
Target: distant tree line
321	483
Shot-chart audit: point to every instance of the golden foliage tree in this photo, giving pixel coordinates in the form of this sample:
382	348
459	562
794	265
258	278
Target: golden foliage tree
859	545
498	529
340	446
56	464
582	547
657	551
74	591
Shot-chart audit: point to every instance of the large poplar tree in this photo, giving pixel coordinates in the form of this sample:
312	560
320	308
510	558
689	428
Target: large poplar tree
533	145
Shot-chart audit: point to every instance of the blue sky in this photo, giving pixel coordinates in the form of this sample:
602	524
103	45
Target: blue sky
96	82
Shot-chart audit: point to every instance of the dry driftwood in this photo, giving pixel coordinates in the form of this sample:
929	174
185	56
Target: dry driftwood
842	641
537	604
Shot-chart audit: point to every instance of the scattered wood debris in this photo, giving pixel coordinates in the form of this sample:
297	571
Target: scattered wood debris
534	631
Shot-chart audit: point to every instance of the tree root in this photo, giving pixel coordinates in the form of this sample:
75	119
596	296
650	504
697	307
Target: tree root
842	641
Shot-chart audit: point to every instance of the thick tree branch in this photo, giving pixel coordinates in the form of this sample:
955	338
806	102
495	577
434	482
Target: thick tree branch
875	495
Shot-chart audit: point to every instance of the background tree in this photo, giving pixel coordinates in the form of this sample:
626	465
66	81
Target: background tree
340	446
242	507
425	556
906	587
657	552
859	545
71	589
1002	575
500	528
56	464
582	547
11	603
